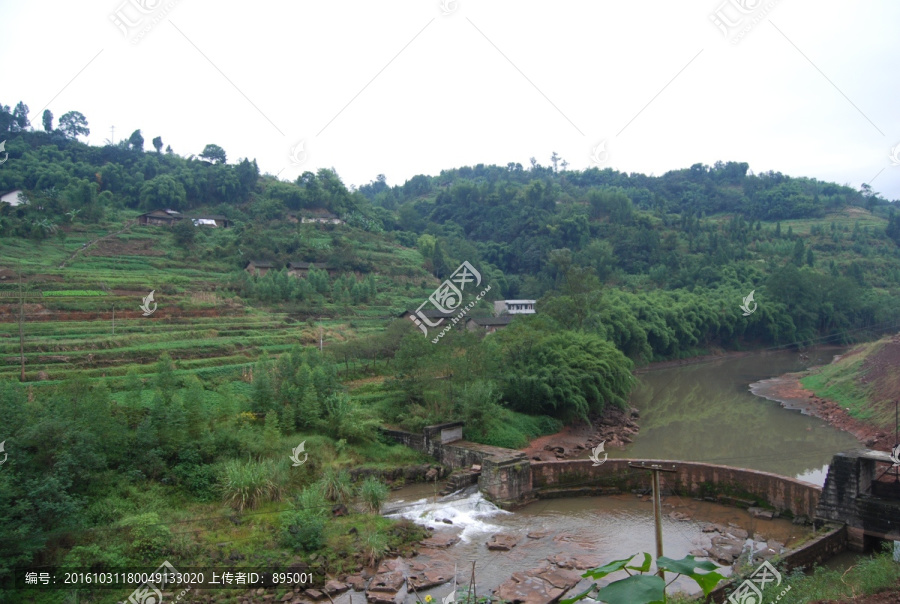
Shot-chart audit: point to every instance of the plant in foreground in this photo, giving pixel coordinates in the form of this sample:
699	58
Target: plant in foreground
646	589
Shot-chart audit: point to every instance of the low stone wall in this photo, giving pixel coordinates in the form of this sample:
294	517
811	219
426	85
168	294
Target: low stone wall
786	495
810	553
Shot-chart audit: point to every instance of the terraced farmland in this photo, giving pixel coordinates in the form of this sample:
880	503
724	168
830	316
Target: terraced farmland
91	324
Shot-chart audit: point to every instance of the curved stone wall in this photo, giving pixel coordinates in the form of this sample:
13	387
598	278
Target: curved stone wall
570	477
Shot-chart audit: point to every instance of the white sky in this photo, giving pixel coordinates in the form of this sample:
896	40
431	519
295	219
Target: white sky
400	88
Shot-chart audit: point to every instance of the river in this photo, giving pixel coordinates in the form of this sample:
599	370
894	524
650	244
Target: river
700	412
706	412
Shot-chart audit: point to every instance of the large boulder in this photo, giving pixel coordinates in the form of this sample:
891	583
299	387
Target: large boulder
542	585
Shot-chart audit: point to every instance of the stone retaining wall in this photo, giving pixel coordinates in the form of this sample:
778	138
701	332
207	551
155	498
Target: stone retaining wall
786	495
810	553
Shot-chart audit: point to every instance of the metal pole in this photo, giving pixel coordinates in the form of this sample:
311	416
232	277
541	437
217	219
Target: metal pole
655	469
657	518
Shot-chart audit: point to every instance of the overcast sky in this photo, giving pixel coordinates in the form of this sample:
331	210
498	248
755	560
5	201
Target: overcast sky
409	87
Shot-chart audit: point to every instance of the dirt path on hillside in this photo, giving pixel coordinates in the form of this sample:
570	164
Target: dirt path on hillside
90	244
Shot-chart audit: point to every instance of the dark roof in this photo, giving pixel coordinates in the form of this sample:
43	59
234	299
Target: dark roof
432	313
260	263
163	214
492	321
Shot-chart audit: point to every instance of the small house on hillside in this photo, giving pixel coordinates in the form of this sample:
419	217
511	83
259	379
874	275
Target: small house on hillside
13	197
488	324
514	307
301	269
320	216
259	267
214	220
160	217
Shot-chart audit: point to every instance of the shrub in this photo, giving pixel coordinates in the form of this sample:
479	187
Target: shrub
336	485
249	484
313	500
302	530
373	493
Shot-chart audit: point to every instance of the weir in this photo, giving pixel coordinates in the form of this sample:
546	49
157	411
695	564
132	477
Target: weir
863	507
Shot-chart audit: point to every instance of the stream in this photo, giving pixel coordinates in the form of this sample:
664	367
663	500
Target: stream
700	412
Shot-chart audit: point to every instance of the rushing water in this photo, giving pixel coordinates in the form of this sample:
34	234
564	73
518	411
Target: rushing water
601	528
705	412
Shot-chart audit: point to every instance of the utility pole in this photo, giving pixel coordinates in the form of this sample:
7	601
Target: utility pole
657	507
114	320
112	135
320	338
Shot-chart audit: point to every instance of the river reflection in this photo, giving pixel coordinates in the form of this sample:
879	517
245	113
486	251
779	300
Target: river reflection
705	412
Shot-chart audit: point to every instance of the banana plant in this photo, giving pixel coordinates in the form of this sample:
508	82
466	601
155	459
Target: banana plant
643	588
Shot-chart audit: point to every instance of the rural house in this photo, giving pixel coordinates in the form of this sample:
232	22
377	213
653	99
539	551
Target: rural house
488	324
259	267
160	217
301	269
514	307
320	216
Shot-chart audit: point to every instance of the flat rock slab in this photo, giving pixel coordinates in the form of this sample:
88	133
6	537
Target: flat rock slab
761	513
502	542
357	582
335	587
440	541
576	562
387	582
435	573
543	585
712	528
538	534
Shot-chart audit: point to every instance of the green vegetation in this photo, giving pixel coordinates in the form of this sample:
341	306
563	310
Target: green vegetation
869	576
864	382
129	426
643	588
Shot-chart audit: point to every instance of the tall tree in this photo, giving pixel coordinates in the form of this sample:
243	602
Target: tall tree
157	144
73	124
136	140
47	119
213	153
20	117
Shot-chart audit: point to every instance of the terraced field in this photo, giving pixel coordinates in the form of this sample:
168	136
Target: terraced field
199	321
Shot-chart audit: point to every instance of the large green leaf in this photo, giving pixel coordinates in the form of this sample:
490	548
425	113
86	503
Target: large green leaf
645	567
580	596
688	566
610	567
638	589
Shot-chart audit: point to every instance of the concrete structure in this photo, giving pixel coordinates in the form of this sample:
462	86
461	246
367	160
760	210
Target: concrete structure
514	307
854	506
853	495
504	474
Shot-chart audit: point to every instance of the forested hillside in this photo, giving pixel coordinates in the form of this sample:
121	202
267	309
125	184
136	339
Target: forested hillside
127	424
